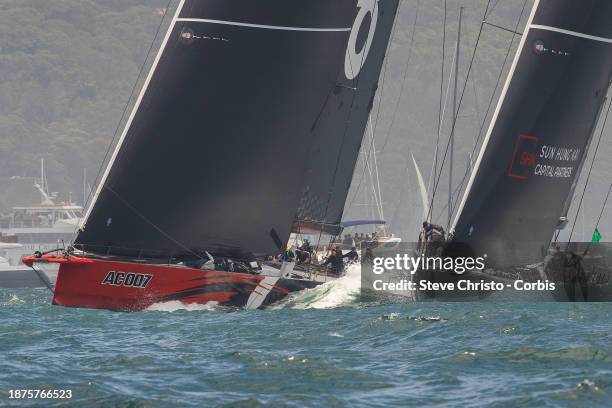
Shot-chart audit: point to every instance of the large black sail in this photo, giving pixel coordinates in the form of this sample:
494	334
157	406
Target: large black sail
214	155
339	130
538	139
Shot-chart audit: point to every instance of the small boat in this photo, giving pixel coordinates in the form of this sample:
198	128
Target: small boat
247	129
41	226
16	276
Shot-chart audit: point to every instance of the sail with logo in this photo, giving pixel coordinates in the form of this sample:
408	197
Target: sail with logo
523	182
249	122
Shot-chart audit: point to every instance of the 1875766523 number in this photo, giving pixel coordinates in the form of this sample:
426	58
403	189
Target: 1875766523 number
40	394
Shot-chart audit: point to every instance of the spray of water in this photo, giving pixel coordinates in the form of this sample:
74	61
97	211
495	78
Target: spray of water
333	294
175	305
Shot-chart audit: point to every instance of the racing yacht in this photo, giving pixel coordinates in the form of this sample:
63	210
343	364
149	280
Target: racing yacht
247	129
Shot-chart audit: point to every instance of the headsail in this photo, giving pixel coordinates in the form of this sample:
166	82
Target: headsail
213	155
339	129
422	190
539	134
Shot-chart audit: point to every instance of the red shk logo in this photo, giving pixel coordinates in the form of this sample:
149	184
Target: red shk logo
524	158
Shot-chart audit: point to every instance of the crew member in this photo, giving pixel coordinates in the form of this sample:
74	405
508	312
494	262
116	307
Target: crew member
288	255
304	252
574	275
336	262
433	233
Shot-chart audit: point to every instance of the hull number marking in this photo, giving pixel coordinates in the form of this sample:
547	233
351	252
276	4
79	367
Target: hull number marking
132	280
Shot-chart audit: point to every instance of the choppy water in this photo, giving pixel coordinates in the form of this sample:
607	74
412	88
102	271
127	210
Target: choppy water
321	348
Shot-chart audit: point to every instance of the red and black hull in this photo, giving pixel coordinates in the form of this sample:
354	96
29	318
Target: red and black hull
130	286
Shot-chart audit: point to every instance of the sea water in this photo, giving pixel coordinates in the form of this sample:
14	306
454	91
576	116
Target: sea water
322	347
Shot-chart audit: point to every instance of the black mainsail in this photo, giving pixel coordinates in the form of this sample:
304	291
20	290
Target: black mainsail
215	155
536	144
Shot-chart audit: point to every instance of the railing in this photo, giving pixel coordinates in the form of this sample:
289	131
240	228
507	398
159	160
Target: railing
167	258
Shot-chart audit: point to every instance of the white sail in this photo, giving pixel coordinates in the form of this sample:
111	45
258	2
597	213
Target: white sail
422	190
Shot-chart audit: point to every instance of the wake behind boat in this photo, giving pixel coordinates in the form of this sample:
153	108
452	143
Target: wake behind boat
197	195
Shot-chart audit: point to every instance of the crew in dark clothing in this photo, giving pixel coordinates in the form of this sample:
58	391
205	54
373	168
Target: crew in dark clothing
336	262
434	237
306	246
359	238
433	233
352	256
368	258
574	275
304	253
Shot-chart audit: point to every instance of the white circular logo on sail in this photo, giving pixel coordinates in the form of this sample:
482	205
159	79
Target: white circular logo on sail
354	60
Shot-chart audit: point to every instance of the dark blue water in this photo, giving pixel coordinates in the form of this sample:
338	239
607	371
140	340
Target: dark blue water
346	354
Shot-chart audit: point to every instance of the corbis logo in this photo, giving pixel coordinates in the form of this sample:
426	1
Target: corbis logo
356	58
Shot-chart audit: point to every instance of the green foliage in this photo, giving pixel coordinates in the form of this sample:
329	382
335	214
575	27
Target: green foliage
66	71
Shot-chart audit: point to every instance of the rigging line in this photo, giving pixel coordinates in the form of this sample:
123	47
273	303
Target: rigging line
456	114
369	173
386	66
376	194
586	183
474	89
440	123
400	201
380	100
440	112
382	92
434	171
125	109
603	208
405	75
455	193
493	9
377	173
476	108
433	174
151	223
490	105
503	28
364	154
377	201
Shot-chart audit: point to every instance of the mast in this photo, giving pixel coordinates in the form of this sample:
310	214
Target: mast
43	188
454	123
84	186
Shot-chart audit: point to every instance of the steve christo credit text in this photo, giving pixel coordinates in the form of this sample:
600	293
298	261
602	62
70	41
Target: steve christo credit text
459	265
